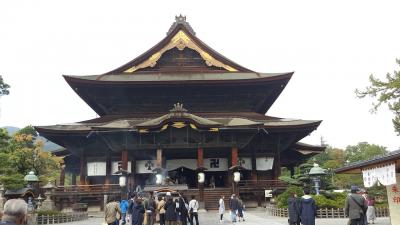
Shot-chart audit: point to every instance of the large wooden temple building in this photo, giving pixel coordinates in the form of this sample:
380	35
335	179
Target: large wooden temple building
177	109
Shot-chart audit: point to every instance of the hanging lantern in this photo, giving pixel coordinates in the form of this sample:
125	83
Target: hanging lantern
236	177
200	177
122	181
158	179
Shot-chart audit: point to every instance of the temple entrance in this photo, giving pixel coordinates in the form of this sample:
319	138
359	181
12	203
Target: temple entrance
215	179
183	175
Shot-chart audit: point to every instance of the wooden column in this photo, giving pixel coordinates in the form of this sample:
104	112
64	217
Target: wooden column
254	176
108	169
73	179
234	154
159	158
124	159
200	157
200	164
131	179
62	174
82	173
277	161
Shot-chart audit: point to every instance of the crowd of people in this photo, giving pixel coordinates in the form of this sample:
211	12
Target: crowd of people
358	207
138	210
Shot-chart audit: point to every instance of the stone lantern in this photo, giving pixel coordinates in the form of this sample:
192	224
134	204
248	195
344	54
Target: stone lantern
1	197
315	174
32	179
48	203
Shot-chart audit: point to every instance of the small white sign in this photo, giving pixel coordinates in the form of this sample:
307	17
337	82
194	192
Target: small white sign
268	193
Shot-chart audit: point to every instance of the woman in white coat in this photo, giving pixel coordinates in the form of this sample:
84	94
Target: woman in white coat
221	209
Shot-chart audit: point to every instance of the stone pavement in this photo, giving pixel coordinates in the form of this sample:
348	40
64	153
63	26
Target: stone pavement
252	217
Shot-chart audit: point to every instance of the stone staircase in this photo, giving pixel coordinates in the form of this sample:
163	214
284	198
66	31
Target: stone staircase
212	196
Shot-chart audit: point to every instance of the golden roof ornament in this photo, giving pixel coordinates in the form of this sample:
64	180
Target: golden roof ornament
178	107
181	20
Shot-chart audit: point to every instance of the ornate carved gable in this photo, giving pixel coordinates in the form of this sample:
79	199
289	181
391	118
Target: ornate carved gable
181	50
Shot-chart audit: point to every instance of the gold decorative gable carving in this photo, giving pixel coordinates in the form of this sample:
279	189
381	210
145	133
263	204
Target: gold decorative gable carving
181	41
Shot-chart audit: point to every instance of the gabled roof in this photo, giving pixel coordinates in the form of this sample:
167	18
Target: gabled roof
180	36
356	167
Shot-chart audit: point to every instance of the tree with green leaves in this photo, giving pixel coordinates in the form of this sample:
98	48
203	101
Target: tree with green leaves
3	87
363	151
385	91
23	153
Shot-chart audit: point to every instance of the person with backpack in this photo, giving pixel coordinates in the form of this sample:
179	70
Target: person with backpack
241	207
193	209
355	207
233	205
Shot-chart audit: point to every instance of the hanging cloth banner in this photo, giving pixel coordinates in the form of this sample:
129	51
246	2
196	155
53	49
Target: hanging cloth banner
145	166
264	163
386	175
216	164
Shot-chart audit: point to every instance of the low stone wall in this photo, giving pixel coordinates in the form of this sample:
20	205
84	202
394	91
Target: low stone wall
324	213
62	218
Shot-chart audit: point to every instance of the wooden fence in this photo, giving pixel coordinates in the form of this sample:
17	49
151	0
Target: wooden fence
324	213
61	218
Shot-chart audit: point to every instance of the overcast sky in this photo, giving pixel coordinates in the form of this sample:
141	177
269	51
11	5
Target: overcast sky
333	46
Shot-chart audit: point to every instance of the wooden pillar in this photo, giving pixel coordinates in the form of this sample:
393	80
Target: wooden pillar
159	158
108	169
200	157
73	179
124	159
254	176
82	173
131	179
200	164
234	153
62	174
277	162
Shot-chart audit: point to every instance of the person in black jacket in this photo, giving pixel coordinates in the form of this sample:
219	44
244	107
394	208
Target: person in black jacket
233	205
294	209
170	212
137	212
183	211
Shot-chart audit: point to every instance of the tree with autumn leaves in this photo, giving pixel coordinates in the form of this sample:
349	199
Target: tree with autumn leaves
21	153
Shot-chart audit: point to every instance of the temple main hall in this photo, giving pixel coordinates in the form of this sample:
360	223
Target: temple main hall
176	111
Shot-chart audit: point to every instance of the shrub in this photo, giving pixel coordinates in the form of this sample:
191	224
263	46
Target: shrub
283	198
330	200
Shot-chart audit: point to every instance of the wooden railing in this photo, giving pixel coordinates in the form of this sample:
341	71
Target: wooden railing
324	213
61	218
98	188
273	184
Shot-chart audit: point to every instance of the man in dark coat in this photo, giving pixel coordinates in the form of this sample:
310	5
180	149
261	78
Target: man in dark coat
170	213
233	205
356	206
183	210
137	212
294	211
308	209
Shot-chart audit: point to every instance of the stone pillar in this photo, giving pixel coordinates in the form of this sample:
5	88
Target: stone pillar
62	174
82	173
200	165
